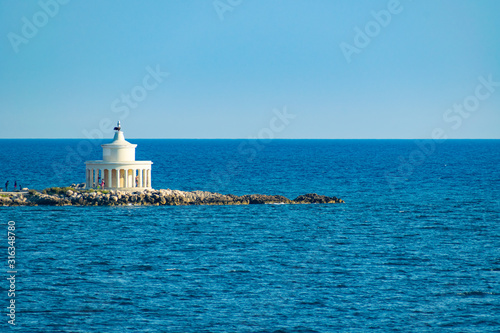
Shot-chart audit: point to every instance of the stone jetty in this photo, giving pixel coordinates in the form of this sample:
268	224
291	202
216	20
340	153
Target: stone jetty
66	196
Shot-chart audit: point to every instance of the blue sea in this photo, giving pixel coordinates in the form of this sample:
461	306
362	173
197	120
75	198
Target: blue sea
415	248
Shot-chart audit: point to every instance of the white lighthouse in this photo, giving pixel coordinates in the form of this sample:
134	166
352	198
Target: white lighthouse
118	168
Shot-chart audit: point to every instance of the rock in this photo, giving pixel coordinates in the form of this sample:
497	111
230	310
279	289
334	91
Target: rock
49	200
255	199
5	201
313	198
152	197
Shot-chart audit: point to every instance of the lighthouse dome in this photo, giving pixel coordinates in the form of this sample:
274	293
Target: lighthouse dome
119	150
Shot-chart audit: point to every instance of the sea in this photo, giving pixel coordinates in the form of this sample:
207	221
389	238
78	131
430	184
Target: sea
414	248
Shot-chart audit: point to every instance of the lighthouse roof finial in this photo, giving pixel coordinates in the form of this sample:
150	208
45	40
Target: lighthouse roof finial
118	127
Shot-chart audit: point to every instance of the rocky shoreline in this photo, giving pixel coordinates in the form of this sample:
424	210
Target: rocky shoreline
66	196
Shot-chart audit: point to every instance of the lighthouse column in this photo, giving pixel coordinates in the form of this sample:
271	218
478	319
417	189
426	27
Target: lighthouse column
106	178
117	178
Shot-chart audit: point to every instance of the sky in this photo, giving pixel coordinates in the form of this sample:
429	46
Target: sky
295	69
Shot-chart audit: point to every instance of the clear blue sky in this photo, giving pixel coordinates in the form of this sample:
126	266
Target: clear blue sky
231	66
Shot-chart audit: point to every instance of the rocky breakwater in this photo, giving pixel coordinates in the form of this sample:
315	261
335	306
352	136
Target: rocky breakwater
72	197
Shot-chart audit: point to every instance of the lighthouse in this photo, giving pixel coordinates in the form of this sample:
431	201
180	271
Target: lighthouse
118	168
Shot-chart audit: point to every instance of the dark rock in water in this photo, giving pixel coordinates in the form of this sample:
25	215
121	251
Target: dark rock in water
256	199
312	198
64	196
49	200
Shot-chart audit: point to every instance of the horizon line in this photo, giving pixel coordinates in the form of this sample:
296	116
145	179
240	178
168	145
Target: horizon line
255	139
